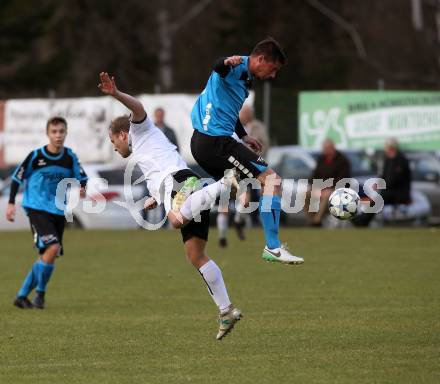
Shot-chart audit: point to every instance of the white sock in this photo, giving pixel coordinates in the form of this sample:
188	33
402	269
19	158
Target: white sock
202	199
222	224
212	275
239	217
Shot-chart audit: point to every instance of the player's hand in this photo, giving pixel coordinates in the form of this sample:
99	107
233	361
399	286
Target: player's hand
10	212
150	203
254	144
82	193
107	84
233	60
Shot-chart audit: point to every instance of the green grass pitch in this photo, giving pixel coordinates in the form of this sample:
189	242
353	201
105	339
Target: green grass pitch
126	307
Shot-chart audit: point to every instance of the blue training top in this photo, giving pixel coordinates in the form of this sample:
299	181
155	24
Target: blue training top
216	110
42	172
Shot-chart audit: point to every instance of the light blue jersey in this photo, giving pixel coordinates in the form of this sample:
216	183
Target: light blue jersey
216	110
42	171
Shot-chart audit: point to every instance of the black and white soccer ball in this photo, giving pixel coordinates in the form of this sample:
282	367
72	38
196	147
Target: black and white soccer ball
343	203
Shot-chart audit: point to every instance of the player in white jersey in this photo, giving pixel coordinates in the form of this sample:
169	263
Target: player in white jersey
164	169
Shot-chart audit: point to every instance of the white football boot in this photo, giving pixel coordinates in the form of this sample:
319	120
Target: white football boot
227	321
281	255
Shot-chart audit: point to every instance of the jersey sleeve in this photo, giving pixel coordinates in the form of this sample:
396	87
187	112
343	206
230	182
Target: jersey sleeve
24	170
220	67
78	171
13	191
140	128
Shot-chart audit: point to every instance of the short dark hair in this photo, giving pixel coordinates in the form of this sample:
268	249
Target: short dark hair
120	124
55	121
271	50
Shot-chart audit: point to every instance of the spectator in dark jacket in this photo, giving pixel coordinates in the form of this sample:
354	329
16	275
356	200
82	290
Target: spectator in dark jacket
159	122
397	174
330	164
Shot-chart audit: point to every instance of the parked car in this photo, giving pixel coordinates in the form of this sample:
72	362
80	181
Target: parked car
113	216
293	163
425	169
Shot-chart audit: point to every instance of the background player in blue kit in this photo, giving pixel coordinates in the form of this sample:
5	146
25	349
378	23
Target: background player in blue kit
215	117
41	172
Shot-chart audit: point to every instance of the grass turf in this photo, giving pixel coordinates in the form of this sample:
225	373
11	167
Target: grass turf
125	307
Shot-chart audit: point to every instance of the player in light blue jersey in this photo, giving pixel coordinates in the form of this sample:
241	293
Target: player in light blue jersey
40	173
215	118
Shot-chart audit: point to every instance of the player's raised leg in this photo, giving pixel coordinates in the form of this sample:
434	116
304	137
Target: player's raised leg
189	204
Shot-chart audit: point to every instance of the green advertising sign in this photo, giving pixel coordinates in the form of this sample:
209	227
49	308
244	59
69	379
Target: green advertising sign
365	119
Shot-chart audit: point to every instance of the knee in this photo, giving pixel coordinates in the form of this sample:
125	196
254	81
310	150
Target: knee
190	254
175	222
51	252
54	249
195	256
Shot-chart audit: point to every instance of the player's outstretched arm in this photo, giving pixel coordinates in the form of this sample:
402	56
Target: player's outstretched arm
107	86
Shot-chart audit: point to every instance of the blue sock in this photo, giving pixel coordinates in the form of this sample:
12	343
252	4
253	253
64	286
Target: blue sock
44	272
30	282
270	207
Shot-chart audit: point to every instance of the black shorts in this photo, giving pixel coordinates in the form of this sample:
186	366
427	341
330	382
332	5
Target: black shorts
47	229
193	228
215	154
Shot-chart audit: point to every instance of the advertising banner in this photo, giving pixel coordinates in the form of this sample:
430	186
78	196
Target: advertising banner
88	120
365	119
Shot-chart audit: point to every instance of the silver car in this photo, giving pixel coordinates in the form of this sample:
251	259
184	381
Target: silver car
293	163
425	168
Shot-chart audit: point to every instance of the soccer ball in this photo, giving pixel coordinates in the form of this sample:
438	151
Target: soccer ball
343	203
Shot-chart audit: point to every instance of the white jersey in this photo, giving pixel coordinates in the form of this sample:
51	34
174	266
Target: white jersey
155	155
